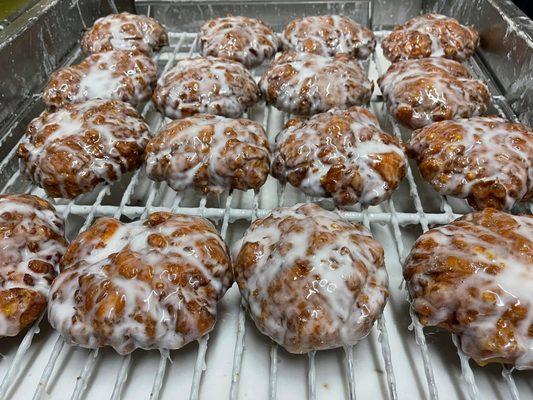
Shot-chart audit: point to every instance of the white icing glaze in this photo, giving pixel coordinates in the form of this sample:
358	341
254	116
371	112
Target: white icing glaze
351	139
205	85
424	24
167	276
124	31
246	40
116	74
328	35
476	150
24	240
488	281
210	153
61	132
432	89
315	281
306	84
463	39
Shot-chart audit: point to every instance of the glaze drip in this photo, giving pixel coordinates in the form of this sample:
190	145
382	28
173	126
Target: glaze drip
487	160
419	92
147	284
31	244
124	31
341	154
474	278
69	151
246	40
310	280
328	35
206	85
118	75
306	84
210	153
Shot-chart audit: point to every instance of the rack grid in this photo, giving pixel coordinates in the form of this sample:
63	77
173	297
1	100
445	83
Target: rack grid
135	196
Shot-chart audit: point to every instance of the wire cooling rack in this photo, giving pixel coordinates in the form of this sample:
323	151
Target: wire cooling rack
237	362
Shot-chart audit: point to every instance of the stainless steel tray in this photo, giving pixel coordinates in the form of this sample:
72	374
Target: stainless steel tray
397	360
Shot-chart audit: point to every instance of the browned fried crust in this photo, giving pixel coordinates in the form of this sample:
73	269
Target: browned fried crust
139	32
337	82
205	85
64	167
328	35
63	86
100	304
286	303
480	159
414	39
246	40
438	270
298	156
419	92
236	159
21	306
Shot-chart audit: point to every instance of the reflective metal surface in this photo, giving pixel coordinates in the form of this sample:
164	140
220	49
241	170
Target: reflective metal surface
506	46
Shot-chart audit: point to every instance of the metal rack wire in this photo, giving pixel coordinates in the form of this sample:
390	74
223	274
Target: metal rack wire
249	206
498	101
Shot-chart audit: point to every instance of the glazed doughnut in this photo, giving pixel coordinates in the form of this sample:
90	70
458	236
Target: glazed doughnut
473	277
70	151
307	84
431	35
210	153
124	31
487	160
147	284
328	35
309	279
419	92
341	154
205	85
116	74
31	244
246	40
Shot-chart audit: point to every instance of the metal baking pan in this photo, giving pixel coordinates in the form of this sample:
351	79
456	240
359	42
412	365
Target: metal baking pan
397	360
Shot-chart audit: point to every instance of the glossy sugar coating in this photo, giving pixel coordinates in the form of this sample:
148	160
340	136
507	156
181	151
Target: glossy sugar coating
341	154
487	160
31	244
117	74
473	277
419	92
210	153
309	279
124	31
206	85
147	284
70	151
246	40
307	84
328	35
431	35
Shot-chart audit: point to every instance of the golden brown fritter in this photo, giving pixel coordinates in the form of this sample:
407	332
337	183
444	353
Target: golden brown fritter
31	244
473	277
148	284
